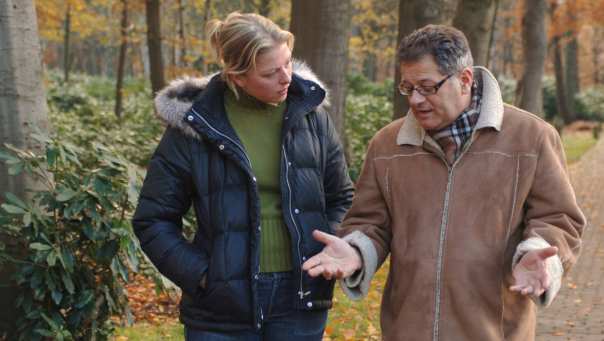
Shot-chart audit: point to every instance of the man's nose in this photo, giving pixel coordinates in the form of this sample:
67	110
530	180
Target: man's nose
415	97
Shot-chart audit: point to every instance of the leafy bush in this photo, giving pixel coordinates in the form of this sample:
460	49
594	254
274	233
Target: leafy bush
366	114
590	104
81	112
76	231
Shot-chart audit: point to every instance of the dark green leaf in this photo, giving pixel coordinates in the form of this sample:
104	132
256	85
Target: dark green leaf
51	259
13	209
39	246
57	296
66	194
11	198
85	298
68	282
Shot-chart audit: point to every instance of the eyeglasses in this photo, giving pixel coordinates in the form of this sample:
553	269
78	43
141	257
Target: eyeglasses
424	90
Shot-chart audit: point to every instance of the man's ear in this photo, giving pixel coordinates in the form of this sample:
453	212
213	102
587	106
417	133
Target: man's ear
466	78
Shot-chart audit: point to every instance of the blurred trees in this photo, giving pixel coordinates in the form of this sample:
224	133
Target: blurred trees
86	36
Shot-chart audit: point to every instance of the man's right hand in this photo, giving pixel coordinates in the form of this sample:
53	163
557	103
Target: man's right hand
337	260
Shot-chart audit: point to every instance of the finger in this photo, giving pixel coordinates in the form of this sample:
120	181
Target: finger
324	238
527	290
547	252
315	271
312	262
517	288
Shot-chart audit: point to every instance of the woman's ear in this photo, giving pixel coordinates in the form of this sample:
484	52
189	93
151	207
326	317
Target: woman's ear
239	80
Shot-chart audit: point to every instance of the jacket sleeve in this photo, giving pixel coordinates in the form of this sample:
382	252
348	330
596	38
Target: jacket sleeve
367	227
336	181
165	197
552	215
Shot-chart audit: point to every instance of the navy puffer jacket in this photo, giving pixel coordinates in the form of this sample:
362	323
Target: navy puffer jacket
201	161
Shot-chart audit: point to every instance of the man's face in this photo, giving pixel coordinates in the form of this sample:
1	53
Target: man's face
269	81
436	111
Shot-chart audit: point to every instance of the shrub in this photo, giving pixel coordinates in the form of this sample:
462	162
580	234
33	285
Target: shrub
590	104
75	228
366	114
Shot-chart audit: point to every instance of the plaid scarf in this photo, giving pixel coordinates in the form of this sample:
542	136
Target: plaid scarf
453	137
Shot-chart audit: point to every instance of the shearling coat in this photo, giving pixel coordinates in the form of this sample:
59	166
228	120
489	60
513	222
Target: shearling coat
454	232
200	161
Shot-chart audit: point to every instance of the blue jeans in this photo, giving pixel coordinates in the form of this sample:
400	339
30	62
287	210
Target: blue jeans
281	321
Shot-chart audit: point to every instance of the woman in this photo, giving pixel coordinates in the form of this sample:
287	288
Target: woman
254	151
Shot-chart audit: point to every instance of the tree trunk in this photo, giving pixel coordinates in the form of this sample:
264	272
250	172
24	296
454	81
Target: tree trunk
22	111
475	19
181	34
571	77
323	44
561	99
156	67
121	59
66	31
534	45
596	51
414	14
206	16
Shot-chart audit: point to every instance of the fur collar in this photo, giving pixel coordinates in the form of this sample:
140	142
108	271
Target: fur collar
175	100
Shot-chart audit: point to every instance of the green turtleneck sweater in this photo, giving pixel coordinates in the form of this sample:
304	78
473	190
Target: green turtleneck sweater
258	126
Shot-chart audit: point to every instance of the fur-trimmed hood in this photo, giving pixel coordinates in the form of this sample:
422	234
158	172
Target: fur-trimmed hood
174	101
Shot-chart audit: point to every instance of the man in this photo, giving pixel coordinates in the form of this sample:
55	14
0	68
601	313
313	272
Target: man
468	195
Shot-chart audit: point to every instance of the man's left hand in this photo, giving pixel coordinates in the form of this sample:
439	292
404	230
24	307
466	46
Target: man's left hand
530	274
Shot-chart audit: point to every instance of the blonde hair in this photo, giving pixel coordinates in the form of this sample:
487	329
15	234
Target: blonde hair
241	38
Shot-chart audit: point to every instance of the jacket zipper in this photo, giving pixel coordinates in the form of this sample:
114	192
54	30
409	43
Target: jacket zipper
442	237
301	292
224	135
439	260
248	162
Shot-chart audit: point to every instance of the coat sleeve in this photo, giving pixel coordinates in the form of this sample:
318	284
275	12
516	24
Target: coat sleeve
164	198
336	181
367	227
552	215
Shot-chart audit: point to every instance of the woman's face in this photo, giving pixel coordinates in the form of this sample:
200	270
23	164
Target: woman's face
269	81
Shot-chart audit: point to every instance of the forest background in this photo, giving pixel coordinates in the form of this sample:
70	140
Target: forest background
80	132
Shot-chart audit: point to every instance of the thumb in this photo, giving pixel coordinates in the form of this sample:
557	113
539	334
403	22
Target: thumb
323	237
547	252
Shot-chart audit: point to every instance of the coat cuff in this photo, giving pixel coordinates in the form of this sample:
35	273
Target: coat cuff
553	266
357	285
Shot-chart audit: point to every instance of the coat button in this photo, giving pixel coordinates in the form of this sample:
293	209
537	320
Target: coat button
304	258
256	276
289	163
254	178
190	118
259	228
296	211
221	147
312	88
258	326
309	304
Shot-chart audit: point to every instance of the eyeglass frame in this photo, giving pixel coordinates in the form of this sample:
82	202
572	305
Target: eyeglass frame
421	89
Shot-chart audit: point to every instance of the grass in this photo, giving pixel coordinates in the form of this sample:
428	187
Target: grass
166	331
348	320
576	144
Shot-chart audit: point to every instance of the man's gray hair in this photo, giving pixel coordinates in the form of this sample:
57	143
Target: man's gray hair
446	44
